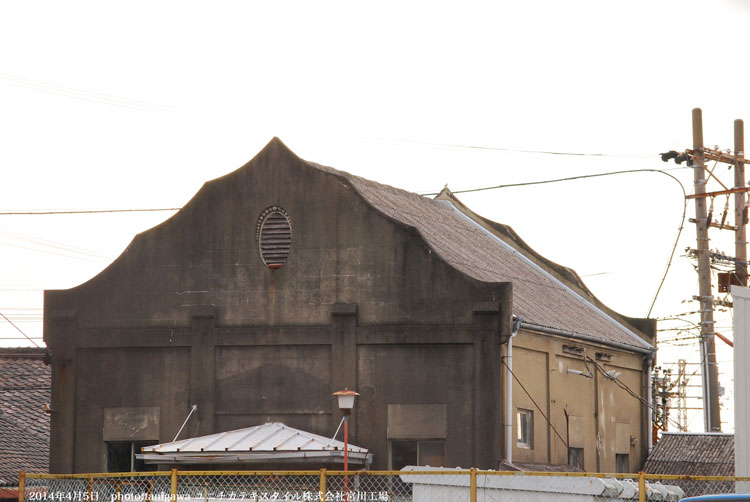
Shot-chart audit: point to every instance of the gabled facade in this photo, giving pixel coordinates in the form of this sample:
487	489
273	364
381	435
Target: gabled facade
285	281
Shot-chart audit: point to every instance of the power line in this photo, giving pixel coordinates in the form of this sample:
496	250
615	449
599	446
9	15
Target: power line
556	180
20	331
625	387
59	246
510	150
71	92
38	245
541	411
83	211
677	317
597	175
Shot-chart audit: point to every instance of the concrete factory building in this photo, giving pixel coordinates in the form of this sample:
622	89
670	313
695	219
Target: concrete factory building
285	281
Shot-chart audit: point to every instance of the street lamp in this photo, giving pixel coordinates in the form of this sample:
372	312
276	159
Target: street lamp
346	403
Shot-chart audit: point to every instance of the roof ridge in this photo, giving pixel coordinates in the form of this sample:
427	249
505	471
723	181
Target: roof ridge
23	352
473	250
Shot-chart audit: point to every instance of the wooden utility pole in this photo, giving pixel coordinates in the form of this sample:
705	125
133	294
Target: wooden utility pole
697	158
709	371
740	211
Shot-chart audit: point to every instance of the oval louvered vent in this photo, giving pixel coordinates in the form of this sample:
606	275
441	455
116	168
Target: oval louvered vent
274	236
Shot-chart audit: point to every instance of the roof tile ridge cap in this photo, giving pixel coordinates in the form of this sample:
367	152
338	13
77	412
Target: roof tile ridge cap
356	178
516	241
351	179
22	352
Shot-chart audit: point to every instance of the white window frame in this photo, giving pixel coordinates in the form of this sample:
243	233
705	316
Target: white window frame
525	438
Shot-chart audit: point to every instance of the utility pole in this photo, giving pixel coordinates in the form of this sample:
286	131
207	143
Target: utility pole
710	373
740	209
682	394
697	158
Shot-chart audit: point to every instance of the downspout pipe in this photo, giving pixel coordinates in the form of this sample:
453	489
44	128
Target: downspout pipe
649	400
509	392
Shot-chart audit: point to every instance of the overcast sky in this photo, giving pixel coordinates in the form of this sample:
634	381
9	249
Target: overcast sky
135	105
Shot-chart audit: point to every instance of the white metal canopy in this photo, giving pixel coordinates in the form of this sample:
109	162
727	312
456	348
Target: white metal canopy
271	442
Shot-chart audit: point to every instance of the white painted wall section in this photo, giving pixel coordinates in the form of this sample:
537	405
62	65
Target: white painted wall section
741	388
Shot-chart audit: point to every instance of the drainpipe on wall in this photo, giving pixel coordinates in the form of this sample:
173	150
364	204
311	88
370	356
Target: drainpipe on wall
649	410
509	392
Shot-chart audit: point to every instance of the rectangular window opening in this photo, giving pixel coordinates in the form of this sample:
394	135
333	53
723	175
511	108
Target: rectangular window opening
525	429
422	452
121	456
622	462
575	457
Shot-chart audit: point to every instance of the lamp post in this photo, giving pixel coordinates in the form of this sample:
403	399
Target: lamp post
346	403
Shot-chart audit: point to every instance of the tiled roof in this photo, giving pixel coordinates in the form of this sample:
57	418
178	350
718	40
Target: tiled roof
24	426
456	235
693	454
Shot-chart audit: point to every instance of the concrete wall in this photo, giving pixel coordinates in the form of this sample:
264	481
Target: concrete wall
189	314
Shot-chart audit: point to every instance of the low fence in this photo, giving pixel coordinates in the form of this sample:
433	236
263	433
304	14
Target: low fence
411	484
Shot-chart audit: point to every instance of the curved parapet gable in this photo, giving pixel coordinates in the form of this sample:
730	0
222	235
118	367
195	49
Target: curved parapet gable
340	249
399	256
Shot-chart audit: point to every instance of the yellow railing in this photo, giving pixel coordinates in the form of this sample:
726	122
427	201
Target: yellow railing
354	486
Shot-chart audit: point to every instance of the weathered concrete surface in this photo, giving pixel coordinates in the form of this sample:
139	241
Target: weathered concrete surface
189	314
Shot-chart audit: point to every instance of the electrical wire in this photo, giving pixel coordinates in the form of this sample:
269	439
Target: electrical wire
624	387
511	150
597	175
82	211
71	92
59	246
49	247
540	411
556	180
677	317
20	331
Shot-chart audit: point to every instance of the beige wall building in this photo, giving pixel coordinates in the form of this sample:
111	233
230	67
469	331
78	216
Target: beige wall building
580	387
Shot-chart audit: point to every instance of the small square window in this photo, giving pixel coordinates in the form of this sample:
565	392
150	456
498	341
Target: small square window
622	462
575	457
417	452
121	456
432	453
403	453
525	428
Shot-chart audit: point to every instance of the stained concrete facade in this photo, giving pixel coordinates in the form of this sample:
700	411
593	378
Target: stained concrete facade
189	314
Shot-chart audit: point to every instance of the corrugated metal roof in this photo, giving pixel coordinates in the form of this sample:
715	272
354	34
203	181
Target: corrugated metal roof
270	437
